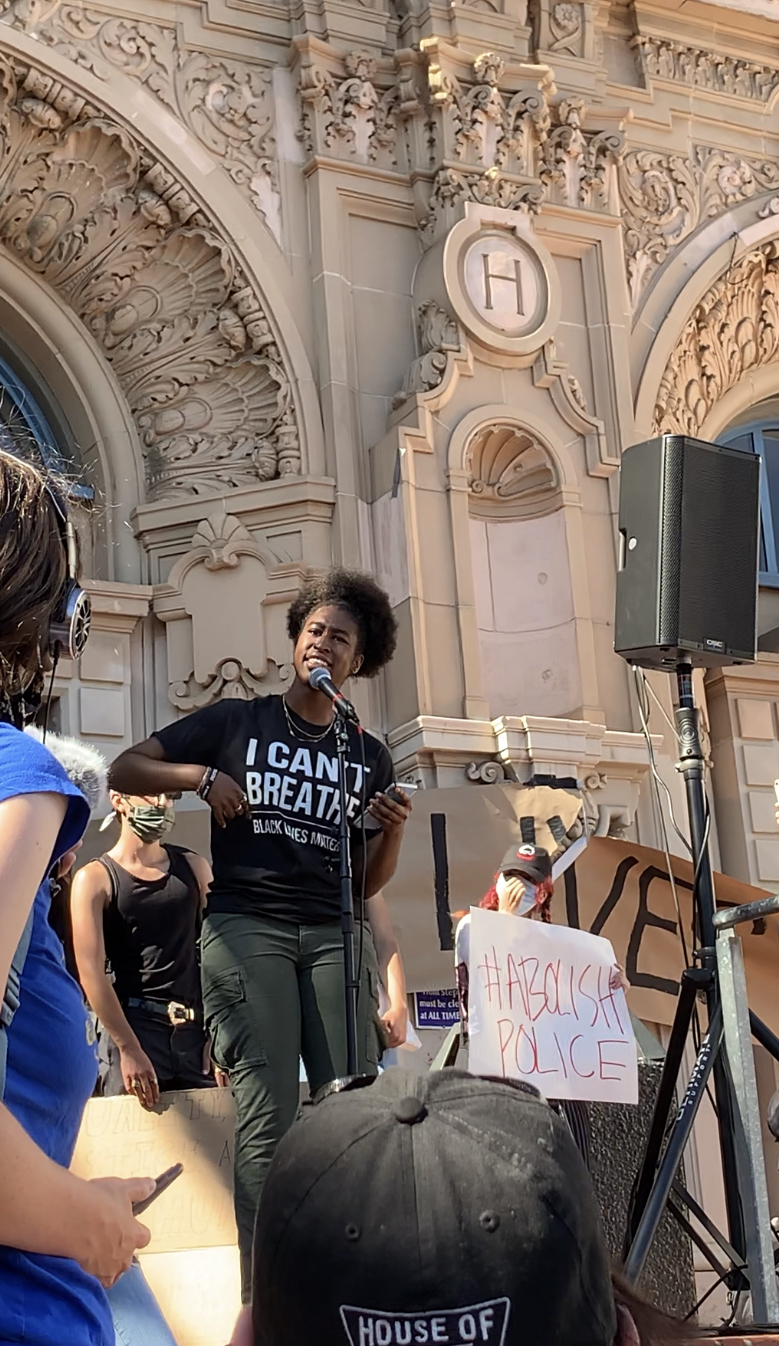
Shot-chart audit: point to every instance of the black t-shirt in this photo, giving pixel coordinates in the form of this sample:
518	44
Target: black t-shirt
284	860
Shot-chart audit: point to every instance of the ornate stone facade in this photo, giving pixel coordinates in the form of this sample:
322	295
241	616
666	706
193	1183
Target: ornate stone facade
665	197
395	283
733	330
664	59
227	104
490	131
122	242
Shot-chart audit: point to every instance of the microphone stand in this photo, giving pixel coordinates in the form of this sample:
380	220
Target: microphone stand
351	985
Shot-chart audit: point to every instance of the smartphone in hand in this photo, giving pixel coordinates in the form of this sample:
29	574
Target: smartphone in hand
394	792
161	1184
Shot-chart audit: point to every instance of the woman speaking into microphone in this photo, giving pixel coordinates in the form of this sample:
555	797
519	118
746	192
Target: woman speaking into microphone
272	945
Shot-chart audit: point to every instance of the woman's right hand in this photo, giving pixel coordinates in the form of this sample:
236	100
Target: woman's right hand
139	1076
227	799
111	1232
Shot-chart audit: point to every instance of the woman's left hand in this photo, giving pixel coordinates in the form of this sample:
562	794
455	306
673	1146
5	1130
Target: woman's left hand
395	1025
617	980
390	813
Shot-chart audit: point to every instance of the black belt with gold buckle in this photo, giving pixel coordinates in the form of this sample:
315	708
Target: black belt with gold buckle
174	1011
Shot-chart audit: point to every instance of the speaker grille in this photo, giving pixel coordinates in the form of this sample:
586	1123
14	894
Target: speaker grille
670	537
718	553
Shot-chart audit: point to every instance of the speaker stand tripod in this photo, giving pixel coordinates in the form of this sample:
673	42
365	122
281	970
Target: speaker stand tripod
719	976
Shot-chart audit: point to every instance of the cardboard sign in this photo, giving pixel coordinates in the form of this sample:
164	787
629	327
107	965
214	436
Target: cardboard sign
542	1009
437	1009
195	1128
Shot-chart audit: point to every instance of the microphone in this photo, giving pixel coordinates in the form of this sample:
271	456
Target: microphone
321	681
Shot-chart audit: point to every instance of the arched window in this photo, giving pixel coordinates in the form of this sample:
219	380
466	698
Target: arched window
762	438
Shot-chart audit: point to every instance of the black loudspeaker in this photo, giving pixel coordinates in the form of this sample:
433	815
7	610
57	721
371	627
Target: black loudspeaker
689	532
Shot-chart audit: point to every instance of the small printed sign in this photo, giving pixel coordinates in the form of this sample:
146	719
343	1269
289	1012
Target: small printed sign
437	1009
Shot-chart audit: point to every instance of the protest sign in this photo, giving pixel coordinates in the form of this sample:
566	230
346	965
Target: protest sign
542	1009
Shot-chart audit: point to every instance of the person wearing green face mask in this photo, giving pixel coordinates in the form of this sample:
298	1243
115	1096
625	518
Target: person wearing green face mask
140	907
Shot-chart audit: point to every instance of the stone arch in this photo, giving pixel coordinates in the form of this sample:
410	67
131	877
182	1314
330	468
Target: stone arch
760	385
732	332
687	280
172	308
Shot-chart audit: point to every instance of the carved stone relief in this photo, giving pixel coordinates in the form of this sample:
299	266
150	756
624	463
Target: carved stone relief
210	655
488	772
464	129
660	58
565	27
439	337
346	114
117	236
666	196
226	104
510	474
734	329
579	169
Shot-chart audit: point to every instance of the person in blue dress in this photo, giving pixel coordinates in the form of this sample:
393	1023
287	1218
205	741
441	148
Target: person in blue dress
62	1239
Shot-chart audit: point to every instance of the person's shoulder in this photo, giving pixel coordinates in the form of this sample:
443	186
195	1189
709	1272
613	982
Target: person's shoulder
92	878
376	746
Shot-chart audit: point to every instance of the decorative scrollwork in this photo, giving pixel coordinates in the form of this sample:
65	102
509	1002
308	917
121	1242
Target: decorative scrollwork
485	773
226	104
666	196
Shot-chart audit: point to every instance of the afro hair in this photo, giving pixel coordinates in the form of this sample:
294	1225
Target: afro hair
367	605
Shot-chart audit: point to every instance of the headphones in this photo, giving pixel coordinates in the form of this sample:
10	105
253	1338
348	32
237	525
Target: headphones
69	628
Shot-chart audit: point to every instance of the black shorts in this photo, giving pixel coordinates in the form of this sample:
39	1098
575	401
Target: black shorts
175	1051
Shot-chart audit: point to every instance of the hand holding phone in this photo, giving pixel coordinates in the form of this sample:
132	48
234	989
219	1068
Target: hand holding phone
161	1184
399	793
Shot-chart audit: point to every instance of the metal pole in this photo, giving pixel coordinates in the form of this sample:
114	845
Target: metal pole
749	1138
347	899
691	766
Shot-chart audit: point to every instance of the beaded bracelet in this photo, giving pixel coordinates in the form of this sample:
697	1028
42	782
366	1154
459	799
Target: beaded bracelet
204	788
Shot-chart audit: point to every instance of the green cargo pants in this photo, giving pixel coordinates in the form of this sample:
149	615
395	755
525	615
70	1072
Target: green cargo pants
274	991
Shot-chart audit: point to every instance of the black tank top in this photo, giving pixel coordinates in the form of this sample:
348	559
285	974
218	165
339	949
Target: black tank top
151	931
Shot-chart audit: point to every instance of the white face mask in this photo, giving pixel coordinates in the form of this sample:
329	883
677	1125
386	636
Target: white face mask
528	899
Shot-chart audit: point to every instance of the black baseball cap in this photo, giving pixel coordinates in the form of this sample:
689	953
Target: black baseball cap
533	862
431	1208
